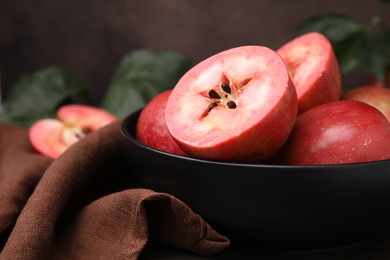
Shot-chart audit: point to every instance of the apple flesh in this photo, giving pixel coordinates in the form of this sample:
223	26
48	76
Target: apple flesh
374	95
339	132
314	69
51	137
238	105
151	129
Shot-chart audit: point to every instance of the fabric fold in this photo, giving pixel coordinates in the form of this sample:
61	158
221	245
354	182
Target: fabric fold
82	205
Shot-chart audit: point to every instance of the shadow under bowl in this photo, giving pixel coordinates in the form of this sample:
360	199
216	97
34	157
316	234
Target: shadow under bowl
270	206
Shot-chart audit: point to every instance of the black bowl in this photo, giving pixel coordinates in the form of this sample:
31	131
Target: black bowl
271	206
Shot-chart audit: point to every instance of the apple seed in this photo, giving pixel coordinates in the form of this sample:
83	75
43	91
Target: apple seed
212	105
214	94
220	96
225	86
73	133
231	104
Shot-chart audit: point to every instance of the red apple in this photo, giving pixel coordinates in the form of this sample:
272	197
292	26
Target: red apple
51	137
375	82
238	105
314	69
151	129
339	132
374	95
386	83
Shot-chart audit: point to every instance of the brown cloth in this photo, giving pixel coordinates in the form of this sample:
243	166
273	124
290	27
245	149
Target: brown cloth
82	206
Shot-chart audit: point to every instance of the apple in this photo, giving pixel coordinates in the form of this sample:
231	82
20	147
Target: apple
386	83
51	137
375	95
238	105
314	69
151	129
339	132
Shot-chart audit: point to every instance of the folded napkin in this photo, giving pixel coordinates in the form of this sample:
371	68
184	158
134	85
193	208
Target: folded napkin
82	205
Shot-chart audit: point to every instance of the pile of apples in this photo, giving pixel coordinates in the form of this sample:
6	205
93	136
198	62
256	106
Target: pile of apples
251	104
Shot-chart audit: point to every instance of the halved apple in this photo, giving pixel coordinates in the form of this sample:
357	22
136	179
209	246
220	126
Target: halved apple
238	105
314	69
51	137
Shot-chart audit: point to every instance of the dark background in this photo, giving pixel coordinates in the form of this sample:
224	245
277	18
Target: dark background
90	37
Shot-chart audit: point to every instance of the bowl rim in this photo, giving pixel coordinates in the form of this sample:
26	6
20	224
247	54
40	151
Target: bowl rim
133	139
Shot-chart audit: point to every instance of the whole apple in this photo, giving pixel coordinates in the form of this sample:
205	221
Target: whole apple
151	129
238	105
314	69
375	95
338	132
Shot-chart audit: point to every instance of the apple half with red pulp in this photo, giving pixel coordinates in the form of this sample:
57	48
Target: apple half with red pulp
151	129
314	69
339	132
51	137
238	105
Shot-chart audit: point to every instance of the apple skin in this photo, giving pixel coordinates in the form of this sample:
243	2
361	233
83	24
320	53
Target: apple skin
314	69
338	132
250	132
151	129
375	95
51	137
386	83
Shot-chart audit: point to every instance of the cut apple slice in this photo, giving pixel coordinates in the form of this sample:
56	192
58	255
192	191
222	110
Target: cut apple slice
44	135
51	137
238	105
314	69
85	116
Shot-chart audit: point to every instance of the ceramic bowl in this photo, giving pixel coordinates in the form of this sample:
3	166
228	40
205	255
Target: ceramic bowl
270	206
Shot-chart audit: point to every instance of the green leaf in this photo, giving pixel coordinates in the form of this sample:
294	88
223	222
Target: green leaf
377	54
140	76
335	27
350	51
38	95
346	36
